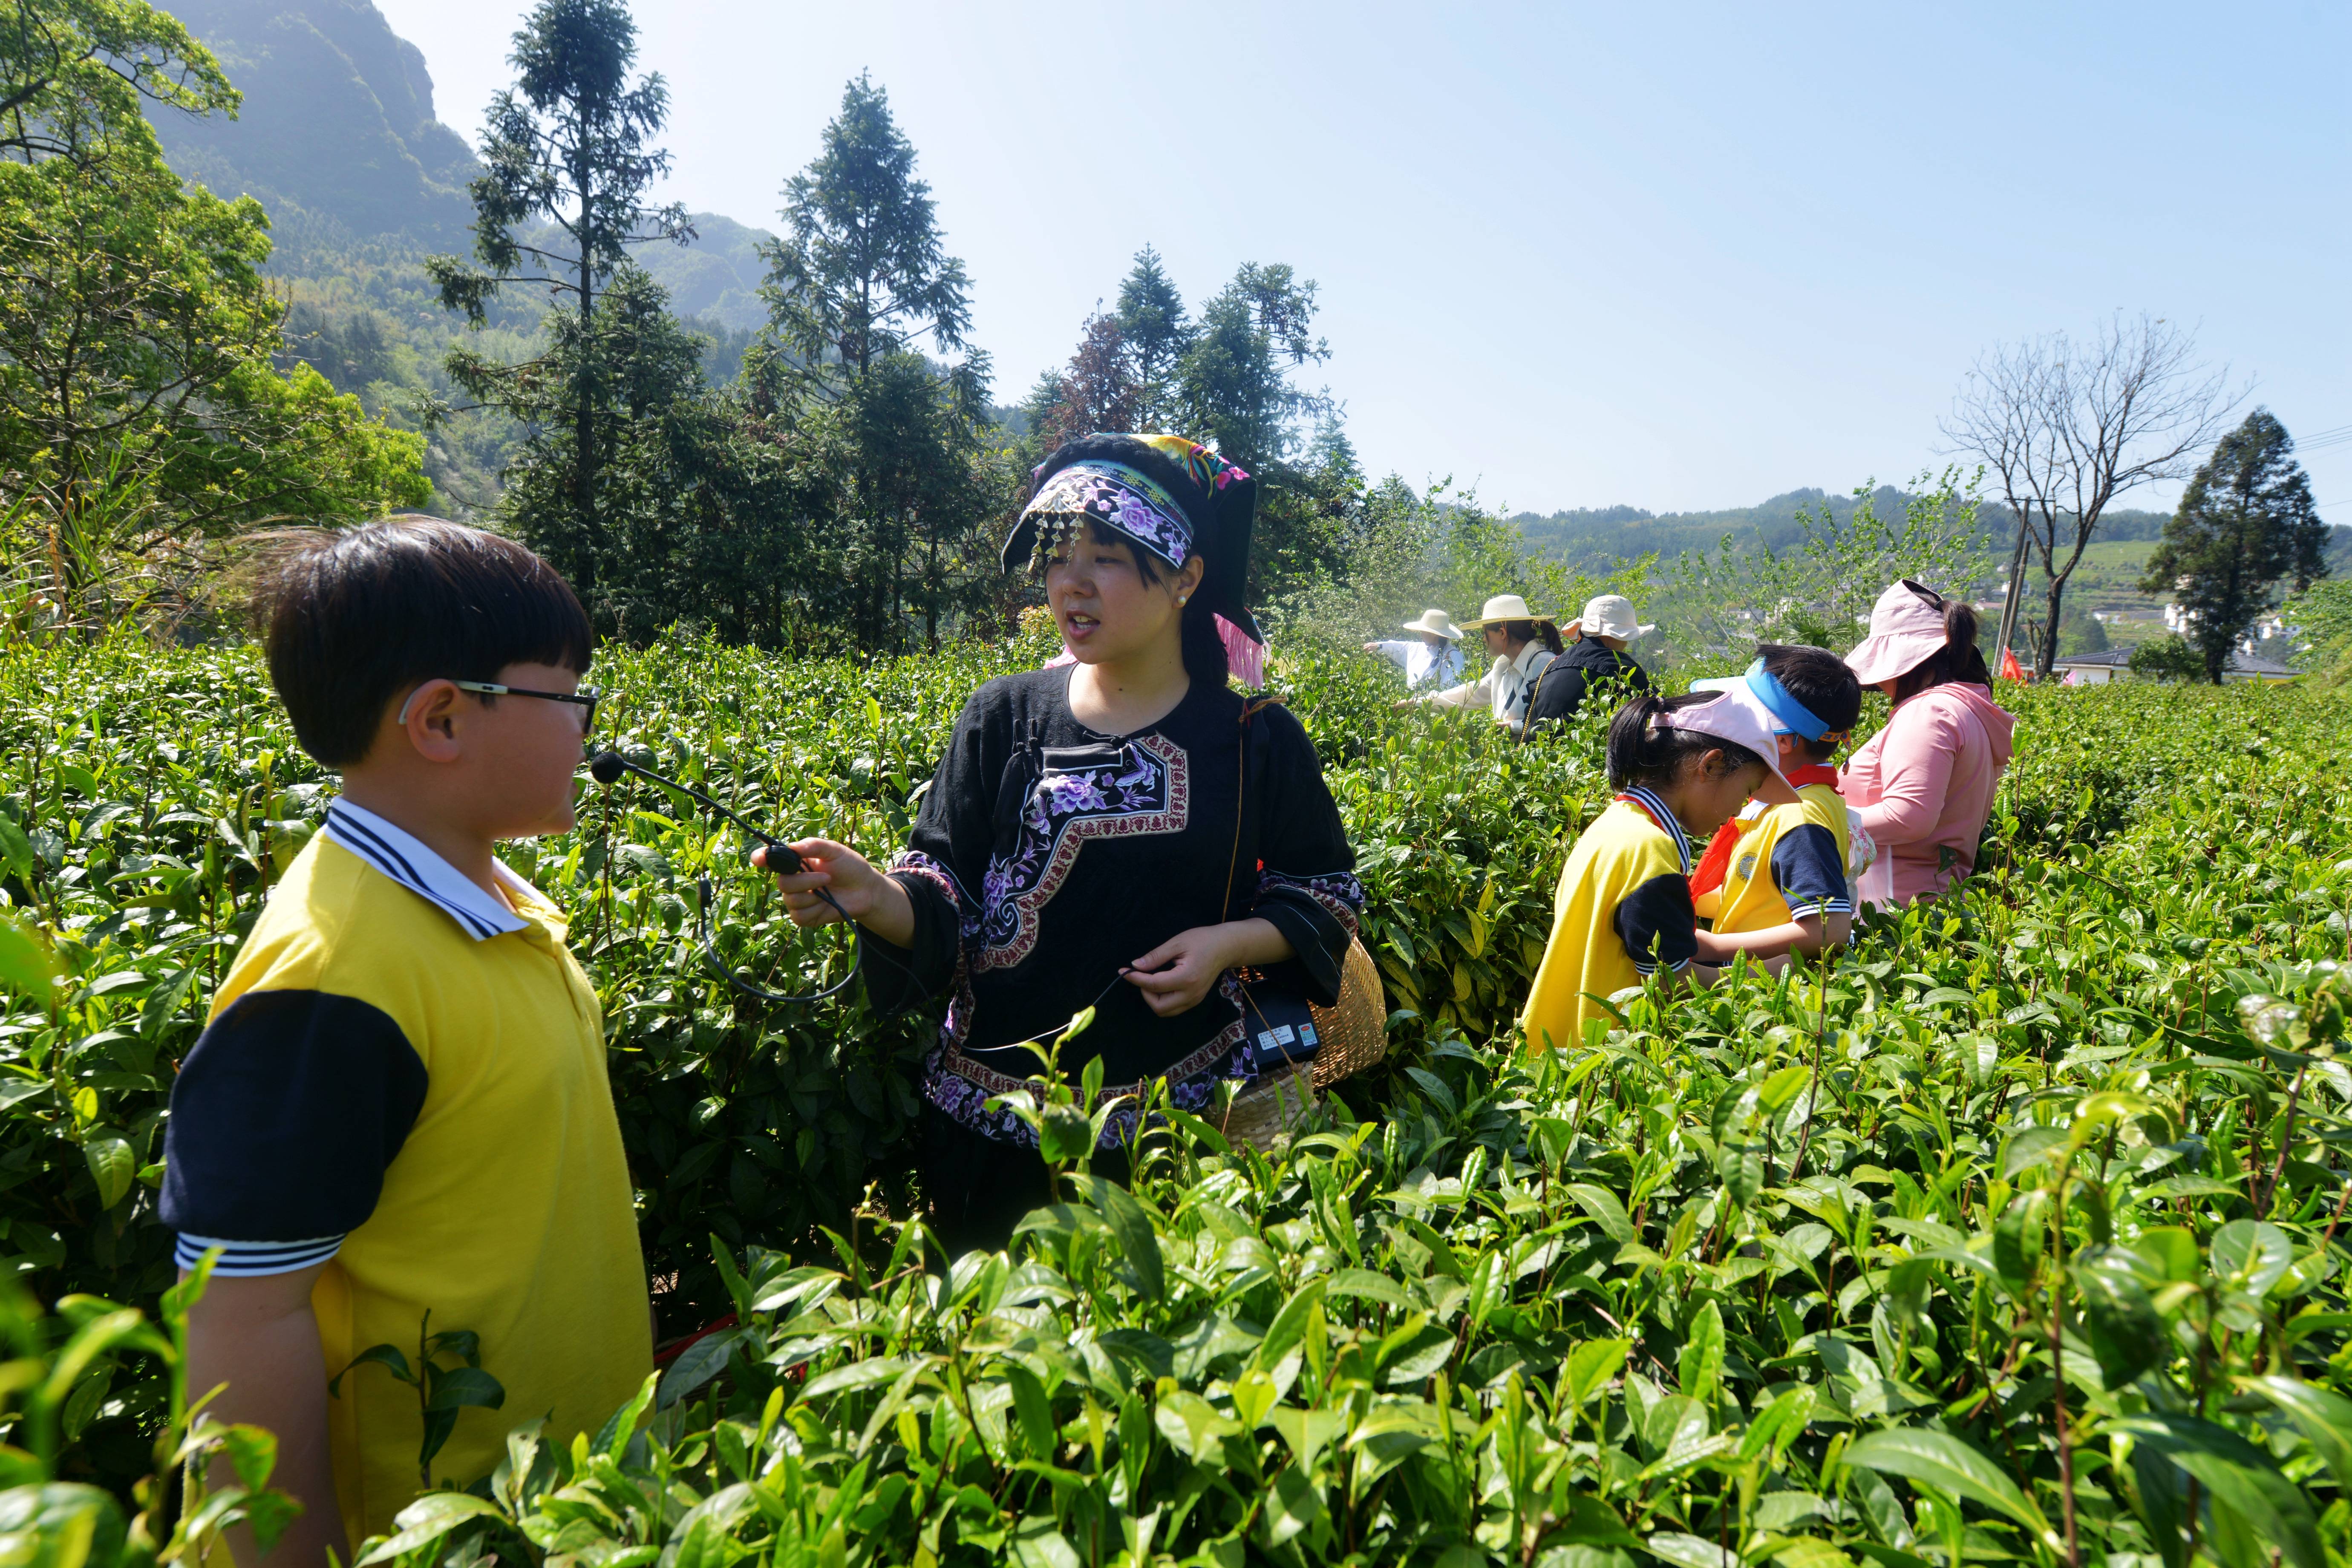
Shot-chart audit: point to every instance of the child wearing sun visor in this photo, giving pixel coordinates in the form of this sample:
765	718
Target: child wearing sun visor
1681	766
1774	881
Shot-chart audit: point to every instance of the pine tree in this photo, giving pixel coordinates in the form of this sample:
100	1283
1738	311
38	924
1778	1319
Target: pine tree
863	271
1156	332
2245	523
570	147
861	277
1234	385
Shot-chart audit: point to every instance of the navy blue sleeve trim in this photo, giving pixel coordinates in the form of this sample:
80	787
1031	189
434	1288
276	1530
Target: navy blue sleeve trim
285	1117
1810	872
1658	924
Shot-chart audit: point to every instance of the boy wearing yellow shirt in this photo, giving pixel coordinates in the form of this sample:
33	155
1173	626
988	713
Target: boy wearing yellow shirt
1784	887
399	1105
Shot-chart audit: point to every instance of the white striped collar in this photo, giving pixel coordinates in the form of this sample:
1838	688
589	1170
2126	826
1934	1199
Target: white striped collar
404	858
1666	820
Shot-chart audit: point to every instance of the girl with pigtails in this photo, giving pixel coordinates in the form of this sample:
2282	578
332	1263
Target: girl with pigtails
1124	831
1681	766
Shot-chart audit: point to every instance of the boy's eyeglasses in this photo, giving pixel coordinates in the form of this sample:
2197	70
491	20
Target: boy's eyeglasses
585	697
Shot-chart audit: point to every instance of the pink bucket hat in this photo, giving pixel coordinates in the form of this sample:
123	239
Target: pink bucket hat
1737	714
1906	627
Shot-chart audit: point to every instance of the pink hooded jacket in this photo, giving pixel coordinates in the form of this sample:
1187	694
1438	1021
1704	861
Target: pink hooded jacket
1924	786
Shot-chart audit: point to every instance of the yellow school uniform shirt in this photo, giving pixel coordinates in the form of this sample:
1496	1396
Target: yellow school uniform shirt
1622	912
1789	861
404	1078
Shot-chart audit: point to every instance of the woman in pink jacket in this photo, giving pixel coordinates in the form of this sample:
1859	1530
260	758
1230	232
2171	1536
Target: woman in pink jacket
1923	784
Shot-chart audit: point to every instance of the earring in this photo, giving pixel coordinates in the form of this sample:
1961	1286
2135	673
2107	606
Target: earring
1180	600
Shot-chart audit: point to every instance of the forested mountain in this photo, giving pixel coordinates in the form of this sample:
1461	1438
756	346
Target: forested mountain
1592	535
340	140
336	135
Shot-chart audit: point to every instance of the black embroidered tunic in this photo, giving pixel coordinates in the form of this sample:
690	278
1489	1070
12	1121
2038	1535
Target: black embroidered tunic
1046	855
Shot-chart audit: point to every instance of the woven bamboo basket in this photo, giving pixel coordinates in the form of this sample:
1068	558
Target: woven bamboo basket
1353	1034
1354	1031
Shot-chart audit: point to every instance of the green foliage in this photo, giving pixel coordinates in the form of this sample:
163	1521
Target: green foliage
58	1374
76	75
2245	523
441	1391
912	467
144	419
1820	591
2321	622
2167	658
1782	1240
568	157
862	271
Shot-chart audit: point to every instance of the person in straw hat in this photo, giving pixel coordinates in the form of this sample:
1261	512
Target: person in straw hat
1596	658
1430	657
1522	644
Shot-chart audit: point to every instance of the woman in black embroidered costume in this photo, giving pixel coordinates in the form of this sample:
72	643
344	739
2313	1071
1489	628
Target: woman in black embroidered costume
1127	817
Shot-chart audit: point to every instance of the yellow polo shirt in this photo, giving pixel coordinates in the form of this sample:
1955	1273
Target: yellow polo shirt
1622	912
1791	861
404	1078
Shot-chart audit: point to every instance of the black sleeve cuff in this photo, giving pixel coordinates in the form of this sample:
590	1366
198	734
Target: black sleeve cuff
1658	924
900	977
1319	943
1811	873
285	1117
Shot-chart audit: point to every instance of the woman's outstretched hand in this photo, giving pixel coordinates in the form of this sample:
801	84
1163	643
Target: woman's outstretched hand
863	893
1175	976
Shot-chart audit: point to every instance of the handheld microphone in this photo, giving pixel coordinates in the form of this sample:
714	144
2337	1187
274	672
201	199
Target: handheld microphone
607	767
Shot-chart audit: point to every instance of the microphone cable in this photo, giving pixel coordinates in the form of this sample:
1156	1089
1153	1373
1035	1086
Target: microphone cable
607	768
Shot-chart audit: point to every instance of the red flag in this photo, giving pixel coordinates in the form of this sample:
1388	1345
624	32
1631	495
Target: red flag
2008	666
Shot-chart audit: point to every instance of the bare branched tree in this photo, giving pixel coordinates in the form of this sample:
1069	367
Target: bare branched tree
2069	427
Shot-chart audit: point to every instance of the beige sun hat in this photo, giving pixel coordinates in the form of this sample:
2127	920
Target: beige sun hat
1610	616
1435	622
1505	607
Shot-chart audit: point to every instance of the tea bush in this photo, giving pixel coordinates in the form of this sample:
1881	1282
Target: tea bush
2013	1235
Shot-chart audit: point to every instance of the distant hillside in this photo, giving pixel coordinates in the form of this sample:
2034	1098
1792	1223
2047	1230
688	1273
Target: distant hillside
340	139
1589	536
338	125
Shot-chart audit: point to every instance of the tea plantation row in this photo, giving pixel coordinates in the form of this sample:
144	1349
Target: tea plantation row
2016	1236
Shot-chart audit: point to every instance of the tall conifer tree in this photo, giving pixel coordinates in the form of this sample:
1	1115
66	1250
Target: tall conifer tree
568	157
2245	523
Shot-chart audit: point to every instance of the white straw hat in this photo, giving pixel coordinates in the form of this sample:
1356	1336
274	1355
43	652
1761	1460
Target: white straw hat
1504	607
1611	615
1436	623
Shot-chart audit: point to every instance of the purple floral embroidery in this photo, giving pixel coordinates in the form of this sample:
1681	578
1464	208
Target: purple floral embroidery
1337	893
1147	791
1119	497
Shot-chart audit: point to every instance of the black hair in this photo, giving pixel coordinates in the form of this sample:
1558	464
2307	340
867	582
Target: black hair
1205	655
1534	631
352	618
1959	659
1645	749
1824	682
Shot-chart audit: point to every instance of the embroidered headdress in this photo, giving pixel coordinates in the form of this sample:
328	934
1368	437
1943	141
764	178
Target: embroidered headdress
1165	494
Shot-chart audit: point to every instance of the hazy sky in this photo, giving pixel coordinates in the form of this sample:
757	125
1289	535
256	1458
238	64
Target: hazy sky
1677	257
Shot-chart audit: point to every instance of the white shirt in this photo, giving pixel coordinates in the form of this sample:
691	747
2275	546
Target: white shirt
1424	665
1505	687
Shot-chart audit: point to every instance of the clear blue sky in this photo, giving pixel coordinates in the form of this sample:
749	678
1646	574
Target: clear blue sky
1677	257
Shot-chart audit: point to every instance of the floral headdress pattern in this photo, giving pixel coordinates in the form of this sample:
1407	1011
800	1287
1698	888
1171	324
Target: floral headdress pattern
1170	496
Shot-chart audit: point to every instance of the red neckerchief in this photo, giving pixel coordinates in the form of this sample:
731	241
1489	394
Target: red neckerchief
1813	773
1715	866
